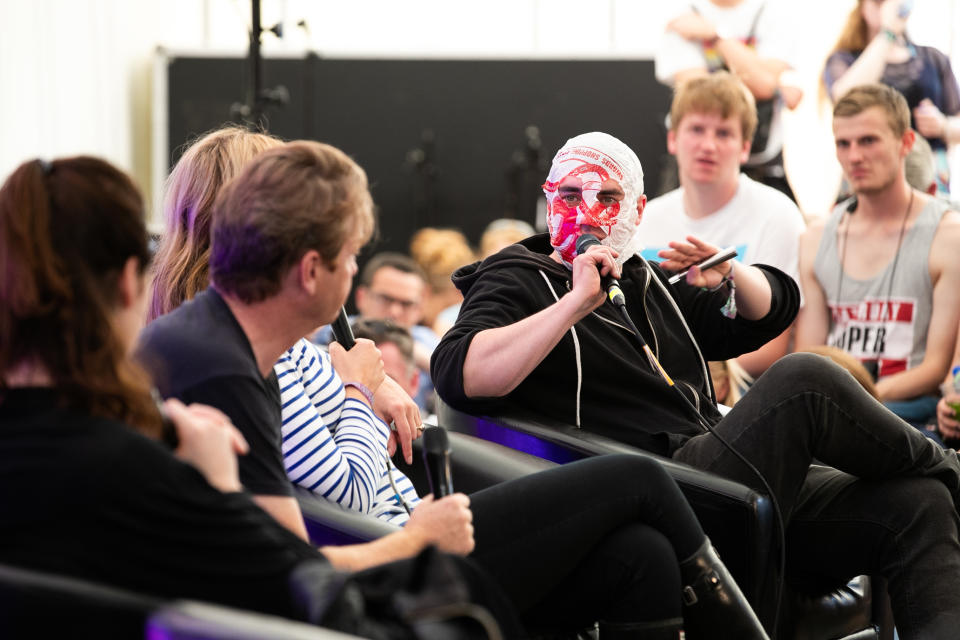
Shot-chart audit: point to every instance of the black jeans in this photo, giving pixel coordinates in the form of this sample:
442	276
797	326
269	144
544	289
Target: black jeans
886	504
597	539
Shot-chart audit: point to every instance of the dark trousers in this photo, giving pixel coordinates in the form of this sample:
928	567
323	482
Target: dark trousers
597	539
886	504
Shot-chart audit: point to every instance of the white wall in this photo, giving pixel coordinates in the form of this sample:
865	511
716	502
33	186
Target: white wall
75	74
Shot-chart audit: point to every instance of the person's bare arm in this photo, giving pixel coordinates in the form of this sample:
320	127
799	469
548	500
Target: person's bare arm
515	350
813	320
926	377
753	294
869	65
933	123
758	74
446	523
285	510
756	362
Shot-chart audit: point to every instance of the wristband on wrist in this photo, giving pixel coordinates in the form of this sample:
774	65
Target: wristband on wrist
362	388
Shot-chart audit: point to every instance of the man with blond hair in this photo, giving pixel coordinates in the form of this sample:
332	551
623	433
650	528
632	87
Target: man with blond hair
880	274
712	123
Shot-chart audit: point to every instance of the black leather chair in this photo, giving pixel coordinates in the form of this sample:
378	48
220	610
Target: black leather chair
35	604
738	519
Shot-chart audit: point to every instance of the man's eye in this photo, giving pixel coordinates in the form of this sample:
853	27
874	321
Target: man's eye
571	199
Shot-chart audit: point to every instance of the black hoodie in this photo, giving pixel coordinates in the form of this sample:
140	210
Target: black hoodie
597	376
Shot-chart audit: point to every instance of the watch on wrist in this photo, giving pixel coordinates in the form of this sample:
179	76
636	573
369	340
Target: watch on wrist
362	388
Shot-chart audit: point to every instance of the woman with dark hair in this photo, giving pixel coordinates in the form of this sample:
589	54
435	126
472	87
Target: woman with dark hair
874	47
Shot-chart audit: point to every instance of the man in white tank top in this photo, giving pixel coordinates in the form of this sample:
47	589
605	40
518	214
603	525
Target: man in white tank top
879	275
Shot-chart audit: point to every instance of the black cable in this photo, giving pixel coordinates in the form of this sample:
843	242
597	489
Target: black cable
781	531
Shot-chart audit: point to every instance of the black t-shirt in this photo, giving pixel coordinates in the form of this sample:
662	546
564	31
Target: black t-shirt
89	497
199	353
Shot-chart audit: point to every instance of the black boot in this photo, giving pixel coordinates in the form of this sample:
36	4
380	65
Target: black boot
668	629
713	601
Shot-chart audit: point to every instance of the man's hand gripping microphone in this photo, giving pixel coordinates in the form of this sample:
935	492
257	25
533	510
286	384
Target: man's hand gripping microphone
607	282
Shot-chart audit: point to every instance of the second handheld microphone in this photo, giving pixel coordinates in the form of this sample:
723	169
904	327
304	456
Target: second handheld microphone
607	282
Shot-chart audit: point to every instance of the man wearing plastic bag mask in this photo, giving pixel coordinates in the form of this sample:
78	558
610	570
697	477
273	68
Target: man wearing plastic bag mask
595	181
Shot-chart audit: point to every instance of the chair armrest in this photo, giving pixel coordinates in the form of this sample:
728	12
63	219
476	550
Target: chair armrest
42	604
475	464
330	524
188	620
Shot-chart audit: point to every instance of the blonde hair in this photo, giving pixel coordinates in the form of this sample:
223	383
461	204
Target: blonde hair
719	92
294	198
850	363
440	252
875	94
502	233
181	267
854	36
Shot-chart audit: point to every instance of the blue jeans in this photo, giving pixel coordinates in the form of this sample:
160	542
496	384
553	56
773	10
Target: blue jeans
886	504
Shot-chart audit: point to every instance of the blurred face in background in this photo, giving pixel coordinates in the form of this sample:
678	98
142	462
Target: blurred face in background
392	295
399	367
709	148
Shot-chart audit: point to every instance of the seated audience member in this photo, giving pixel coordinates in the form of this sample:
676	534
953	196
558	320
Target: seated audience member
853	366
565	551
393	286
919	169
751	39
87	487
712	120
535	332
874	47
880	274
729	380
396	350
440	252
502	233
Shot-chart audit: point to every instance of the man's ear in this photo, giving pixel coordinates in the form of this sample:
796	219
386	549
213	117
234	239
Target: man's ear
129	282
745	152
641	205
671	142
360	298
310	271
906	141
414	381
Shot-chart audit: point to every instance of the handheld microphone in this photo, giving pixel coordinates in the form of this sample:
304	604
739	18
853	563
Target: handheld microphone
607	282
721	256
342	332
436	458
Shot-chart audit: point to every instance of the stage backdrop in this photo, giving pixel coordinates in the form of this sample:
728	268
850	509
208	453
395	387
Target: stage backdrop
444	142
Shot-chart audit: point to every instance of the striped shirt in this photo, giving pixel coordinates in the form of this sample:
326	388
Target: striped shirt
333	445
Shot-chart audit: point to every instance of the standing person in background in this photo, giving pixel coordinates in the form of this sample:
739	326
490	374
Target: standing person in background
712	120
751	39
874	47
880	275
